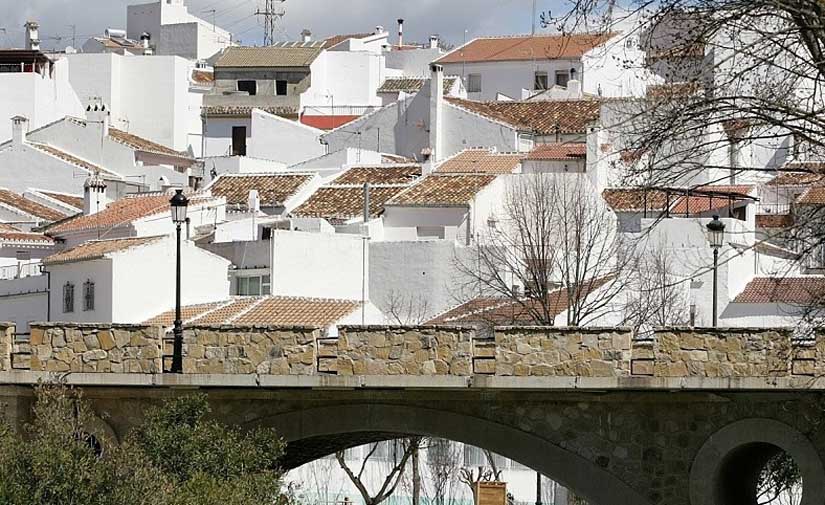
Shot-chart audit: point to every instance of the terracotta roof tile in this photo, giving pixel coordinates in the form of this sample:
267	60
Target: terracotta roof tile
337	39
95	249
672	90
480	161
443	190
636	199
35	209
203	77
796	179
327	122
8	227
142	144
559	152
812	196
74	160
284	55
225	313
19	236
289	311
543	118
769	221
411	84
789	290
75	201
273	189
404	173
187	313
246	111
723	197
525	48
337	204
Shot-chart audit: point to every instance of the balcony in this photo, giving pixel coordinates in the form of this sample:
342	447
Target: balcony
20	271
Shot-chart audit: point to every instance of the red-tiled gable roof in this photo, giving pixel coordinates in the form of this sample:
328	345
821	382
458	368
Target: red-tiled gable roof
95	249
11	234
636	199
480	161
722	197
807	166
263	311
543	118
72	200
559	152
273	189
526	48
384	174
672	90
774	221
790	290
443	190
327	122
796	179
411	84
812	196
74	160
337	204
142	144
11	199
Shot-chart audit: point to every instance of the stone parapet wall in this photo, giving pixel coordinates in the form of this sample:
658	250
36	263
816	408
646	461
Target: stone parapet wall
585	352
62	347
6	343
245	350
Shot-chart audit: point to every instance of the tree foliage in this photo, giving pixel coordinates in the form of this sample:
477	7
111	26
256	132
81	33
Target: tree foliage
177	457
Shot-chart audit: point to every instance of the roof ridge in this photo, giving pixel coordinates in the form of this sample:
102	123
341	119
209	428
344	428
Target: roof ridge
219	305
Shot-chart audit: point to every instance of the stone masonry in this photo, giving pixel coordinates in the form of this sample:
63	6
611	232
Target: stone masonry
6	342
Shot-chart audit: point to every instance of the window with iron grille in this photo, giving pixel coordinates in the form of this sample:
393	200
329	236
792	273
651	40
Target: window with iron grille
88	295
474	83
68	297
541	81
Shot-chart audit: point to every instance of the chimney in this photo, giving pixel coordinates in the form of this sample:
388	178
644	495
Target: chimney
436	110
19	126
32	37
145	40
98	115
306	35
94	195
400	32
434	40
574	89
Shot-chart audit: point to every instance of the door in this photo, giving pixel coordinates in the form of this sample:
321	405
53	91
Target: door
239	141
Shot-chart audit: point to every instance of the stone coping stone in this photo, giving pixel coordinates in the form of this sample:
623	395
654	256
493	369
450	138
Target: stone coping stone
246	327
94	326
565	329
379	327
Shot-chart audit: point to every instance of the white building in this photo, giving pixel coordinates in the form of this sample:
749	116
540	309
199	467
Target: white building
520	66
174	31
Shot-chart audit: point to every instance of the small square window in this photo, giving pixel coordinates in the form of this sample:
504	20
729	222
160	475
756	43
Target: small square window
541	81
250	87
474	83
561	78
280	88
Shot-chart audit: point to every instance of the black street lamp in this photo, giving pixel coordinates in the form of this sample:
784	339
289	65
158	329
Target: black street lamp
716	237
178	203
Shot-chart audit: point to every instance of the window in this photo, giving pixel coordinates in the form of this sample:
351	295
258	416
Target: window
258	285
250	87
88	295
430	232
280	88
541	82
68	298
239	141
474	83
562	77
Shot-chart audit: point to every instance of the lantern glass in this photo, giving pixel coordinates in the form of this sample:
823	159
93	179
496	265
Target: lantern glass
179	204
716	233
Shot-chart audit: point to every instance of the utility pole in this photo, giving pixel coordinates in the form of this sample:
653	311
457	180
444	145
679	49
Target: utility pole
270	18
74	35
533	32
212	11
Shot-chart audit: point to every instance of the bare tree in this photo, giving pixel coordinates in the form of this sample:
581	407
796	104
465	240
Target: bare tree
656	296
404	308
391	479
488	471
443	463
556	245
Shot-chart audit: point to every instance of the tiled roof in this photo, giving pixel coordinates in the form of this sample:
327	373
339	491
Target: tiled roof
142	144
807	166
411	84
443	190
74	160
796	179
774	221
11	234
327	122
35	209
723	197
337	39
95	249
75	201
245	111
273	56
382	174
119	212
337	204
635	199
263	311
273	189
543	118
525	48
480	161
8	227
790	290
203	77
812	196
115	43
672	90
559	152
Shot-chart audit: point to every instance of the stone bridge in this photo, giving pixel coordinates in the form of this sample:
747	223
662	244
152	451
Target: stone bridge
686	417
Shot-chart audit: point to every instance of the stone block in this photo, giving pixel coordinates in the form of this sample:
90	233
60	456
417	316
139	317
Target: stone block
484	366
804	367
36	335
56	366
461	367
484	349
643	367
21	361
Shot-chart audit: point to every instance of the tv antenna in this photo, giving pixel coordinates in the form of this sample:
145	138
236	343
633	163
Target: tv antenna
271	16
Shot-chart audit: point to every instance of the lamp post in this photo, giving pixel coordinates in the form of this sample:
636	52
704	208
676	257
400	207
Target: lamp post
178	203
716	237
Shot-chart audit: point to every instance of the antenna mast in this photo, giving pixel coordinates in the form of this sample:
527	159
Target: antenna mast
271	16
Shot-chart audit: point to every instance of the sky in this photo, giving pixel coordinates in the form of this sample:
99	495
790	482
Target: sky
448	18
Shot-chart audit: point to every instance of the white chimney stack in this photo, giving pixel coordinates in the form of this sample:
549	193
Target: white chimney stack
434	41
400	32
436	110
19	125
94	195
306	35
145	40
574	89
32	35
98	115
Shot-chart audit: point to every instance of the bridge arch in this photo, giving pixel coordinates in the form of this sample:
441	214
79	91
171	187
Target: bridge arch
752	442
344	426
